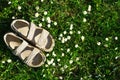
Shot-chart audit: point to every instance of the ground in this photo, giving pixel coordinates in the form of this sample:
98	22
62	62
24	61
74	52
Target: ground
86	33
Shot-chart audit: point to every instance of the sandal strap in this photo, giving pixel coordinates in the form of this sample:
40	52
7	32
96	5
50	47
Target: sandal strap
42	41
31	31
32	55
21	48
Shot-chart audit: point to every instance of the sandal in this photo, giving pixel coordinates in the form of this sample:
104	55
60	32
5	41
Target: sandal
30	55
37	36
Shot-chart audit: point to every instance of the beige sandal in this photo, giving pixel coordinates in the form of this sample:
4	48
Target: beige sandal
30	55
39	37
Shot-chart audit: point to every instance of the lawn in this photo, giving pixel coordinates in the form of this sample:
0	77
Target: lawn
86	33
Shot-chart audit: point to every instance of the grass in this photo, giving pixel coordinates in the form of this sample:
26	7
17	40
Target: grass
97	56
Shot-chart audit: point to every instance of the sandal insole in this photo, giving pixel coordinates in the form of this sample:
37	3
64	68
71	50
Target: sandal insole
23	30
22	27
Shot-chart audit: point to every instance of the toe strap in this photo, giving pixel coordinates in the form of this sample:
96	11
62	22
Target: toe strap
31	31
35	58
42	41
21	48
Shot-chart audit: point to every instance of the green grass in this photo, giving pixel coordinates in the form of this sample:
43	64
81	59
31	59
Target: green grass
97	57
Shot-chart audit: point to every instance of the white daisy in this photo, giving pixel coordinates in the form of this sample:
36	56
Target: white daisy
106	39
79	32
49	21
116	38
116	48
13	17
9	60
43	19
84	20
44	75
82	38
53	71
63	40
68	50
71	32
98	43
61	49
71	26
48	18
62	69
116	57
84	12
61	35
58	60
9	2
65	66
48	25
19	7
47	55
3	62
51	2
89	8
37	7
46	65
60	77
76	46
40	24
52	60
65	32
53	64
77	59
55	23
45	12
81	78
36	14
49	62
106	45
53	53
71	61
68	37
42	0
63	54
59	38
59	64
